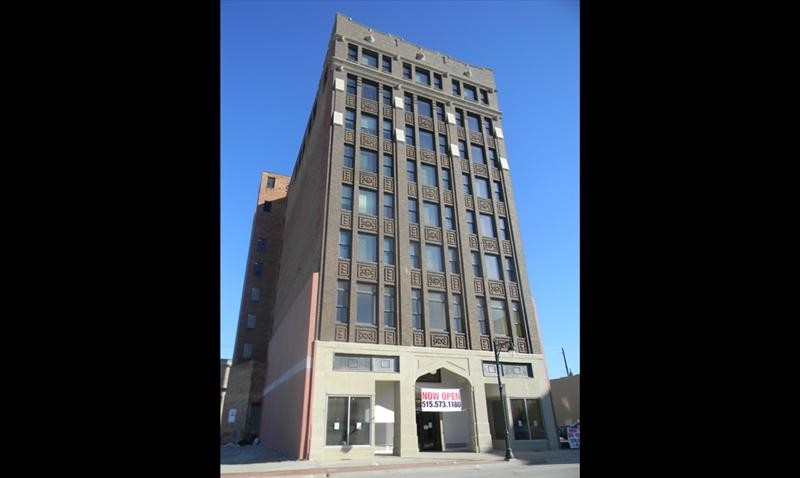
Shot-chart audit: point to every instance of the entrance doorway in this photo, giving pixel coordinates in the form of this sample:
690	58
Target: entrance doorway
429	435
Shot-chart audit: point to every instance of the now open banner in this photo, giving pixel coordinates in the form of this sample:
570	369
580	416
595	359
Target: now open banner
440	399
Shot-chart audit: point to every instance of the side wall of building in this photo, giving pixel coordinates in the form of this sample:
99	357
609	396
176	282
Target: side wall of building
567	399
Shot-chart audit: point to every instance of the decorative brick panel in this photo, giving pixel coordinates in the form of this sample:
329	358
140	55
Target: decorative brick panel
388	184
486	344
496	174
490	245
369	106
368	179
452	239
440	340
478	283
341	333
455	283
501	208
436	280
388	227
462	133
367	271
368	223
480	169
496	289
468	202
409	117
461	341
441	127
433	234
465	165
413	231
429	156
419	339
416	277
429	193
346	220
387	111
444	160
366	335
522	346
390	337
369	141
473	241
491	142
412	189
506	247
349	136
426	122
513	290
411	152
350	100
388	146
447	195
476	137
484	205
388	274
344	269
347	175
503	343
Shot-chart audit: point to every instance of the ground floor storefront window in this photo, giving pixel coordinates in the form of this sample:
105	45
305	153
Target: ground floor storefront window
527	418
348	421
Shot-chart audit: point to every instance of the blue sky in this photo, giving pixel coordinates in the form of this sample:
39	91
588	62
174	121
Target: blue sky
271	60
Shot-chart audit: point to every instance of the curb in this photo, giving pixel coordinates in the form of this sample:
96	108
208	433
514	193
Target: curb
328	471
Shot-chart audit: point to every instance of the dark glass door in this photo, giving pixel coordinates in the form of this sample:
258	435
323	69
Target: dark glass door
428	432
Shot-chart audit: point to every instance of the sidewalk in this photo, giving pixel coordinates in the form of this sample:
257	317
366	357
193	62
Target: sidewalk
388	462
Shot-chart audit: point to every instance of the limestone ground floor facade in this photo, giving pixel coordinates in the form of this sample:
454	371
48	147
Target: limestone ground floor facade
365	400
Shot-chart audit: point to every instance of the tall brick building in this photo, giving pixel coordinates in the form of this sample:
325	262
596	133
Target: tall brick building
401	267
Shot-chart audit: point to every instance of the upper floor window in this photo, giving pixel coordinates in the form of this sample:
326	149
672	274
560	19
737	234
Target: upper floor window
367	202
413	212
406	71
247	351
369	124
516	319
477	153
367	247
387	64
349	155
484	96
411	170
267	206
471	226
462	149
504	229
352	81
408	102
416	309
251	321
487	126
369	90
482	319
511	271
388	250
446	179
347	197
369	160
255	294
261	245
345	238
449	221
456	88
498	192
493	267
426	140
387	95
443	144
413	254
437	308
352	52
487	226
452	259
459	118
389	319
439	112
482	187
467	184
433	258
349	119
474	122
367	303
342	301
458	320
388	165
437	80
499	317
431	212
493	158
470	93
387	129
258	269
410	136
477	269
369	58
423	76
429	175
270	183
424	106
388	206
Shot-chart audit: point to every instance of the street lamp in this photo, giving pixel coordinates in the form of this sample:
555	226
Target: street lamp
497	344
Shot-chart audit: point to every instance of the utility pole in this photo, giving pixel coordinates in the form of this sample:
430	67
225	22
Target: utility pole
569	372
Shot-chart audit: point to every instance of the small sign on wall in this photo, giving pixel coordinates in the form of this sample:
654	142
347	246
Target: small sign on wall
232	415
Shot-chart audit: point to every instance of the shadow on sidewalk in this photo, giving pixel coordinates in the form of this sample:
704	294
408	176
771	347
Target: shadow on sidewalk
231	454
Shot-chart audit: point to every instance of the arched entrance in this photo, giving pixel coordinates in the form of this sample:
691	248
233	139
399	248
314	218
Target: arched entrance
445	413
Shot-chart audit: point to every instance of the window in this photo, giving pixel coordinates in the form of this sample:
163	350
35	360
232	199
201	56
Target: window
411	171
267	206
349	119
367	202
416	309
474	122
388	250
493	158
487	126
498	192
477	153
261	245
413	212
449	222
446	183
504	229
352	82
465	181
352	52
439	112
422	76
389	318
511	271
426	140
482	320
347	197
367	247
251	321
348	421
366	363
456	88
345	239
410	135
387	96
527	418
386	62
408	101
459	118
270	182
367	304
258	269
477	270
369	124
455	311
433	258
388	206
425	108
437	80
429	175
406	71
471	227
499	317
349	155
443	144
482	188
516	319
369	160
388	166
462	149
247	351
255	294
484	96
430	212
487	226
387	129
369	90
342	301
452	259
470	93
413	254
369	58
493	267
438	311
